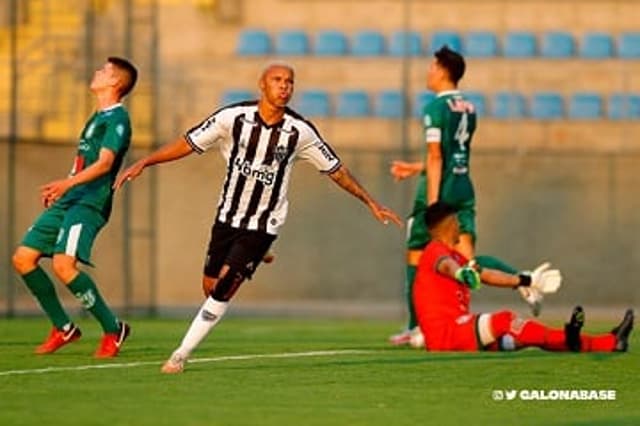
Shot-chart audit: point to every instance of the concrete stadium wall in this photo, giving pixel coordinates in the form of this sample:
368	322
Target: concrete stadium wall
574	209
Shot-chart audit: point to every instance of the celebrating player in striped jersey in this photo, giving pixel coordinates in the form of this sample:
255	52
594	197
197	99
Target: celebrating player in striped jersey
77	208
260	141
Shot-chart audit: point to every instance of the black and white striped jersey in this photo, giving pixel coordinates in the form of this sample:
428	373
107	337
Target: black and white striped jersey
259	162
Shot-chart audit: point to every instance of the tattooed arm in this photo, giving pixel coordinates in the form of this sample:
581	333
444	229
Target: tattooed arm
346	181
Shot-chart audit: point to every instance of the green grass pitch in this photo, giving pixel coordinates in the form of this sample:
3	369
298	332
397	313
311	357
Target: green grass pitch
373	384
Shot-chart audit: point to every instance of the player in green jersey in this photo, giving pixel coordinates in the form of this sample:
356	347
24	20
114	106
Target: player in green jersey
77	207
449	123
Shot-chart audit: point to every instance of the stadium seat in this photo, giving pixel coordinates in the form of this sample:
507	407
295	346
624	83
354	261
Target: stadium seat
557	44
629	45
519	44
292	43
367	43
352	104
313	103
508	105
405	43
585	106
253	43
623	106
330	43
441	38
389	104
481	44
596	46
547	106
421	99
233	96
479	102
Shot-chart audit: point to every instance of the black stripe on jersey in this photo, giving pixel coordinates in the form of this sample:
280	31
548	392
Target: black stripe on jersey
210	118
252	147
258	189
237	129
275	194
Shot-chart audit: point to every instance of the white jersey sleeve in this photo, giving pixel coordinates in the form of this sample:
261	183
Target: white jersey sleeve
314	149
210	131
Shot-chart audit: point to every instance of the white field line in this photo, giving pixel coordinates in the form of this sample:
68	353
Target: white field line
194	360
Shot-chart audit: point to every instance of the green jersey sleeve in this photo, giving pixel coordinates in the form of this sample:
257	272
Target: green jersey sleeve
117	135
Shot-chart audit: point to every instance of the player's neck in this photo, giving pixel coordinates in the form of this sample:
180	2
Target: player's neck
446	87
269	113
105	100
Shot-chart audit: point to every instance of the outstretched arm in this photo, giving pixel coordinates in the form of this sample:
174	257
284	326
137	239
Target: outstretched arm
346	181
471	275
401	170
172	151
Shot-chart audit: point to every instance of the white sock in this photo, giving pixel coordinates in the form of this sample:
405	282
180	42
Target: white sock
208	316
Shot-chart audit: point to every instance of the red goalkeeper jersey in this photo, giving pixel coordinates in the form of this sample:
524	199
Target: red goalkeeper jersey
438	297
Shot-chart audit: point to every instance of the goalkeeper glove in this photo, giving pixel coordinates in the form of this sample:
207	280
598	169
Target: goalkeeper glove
546	280
469	275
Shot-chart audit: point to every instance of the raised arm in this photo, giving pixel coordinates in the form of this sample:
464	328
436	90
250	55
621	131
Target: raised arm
172	151
343	178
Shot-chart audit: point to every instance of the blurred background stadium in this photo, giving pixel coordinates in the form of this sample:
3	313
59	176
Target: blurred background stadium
556	160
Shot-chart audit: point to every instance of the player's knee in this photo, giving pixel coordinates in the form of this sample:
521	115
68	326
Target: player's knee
65	268
501	322
23	262
227	285
208	284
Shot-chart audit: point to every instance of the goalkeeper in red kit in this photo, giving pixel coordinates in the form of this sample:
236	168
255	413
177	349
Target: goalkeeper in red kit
442	294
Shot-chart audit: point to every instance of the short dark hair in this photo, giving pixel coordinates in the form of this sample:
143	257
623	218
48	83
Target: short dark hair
129	70
437	212
452	61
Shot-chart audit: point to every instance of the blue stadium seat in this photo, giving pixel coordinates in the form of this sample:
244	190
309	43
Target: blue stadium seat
233	96
367	43
508	105
585	106
519	44
330	43
481	44
596	46
253	43
441	38
421	99
557	44
352	104
629	45
624	106
313	103
547	106
390	104
405	43
292	43
478	100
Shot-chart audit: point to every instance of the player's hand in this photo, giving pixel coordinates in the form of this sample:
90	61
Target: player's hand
533	298
384	214
402	169
129	174
53	191
546	280
469	275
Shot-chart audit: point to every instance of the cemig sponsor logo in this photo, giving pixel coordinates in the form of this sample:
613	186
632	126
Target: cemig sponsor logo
262	174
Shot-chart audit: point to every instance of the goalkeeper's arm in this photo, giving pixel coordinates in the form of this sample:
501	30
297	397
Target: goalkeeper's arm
472	275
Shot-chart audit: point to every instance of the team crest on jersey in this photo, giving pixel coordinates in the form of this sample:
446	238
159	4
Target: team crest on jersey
280	153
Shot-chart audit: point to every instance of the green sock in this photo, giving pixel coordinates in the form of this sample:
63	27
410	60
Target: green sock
495	263
410	276
86	291
42	288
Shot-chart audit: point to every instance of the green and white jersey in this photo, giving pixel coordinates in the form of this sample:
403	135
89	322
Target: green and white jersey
110	129
450	120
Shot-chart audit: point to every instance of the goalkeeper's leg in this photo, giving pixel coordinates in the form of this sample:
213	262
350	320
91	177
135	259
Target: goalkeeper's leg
513	332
